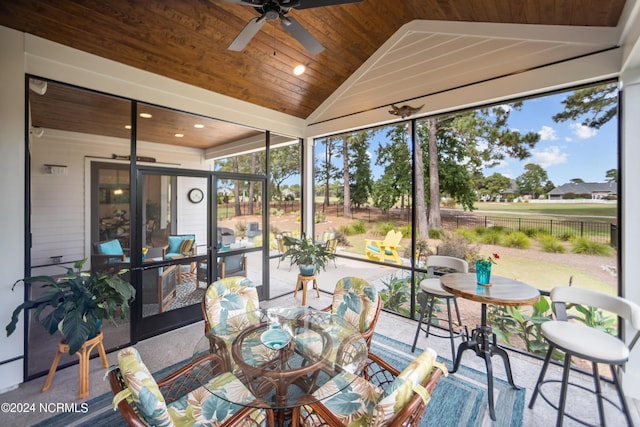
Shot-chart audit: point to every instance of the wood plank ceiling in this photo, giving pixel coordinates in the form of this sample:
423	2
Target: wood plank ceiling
187	40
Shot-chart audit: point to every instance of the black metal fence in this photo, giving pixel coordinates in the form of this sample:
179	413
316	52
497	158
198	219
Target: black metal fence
563	229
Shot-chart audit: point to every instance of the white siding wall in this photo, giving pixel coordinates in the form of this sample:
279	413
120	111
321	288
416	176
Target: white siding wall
193	216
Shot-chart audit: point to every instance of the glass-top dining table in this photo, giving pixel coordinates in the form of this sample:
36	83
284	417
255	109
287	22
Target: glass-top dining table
283	354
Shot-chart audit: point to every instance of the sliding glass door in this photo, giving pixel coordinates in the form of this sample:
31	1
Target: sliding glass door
239	220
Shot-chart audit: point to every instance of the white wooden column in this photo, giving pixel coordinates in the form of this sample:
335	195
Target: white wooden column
630	212
12	149
307	187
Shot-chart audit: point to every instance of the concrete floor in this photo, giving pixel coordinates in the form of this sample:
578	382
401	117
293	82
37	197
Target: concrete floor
164	350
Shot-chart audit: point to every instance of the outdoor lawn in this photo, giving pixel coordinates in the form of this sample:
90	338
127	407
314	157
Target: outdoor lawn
593	211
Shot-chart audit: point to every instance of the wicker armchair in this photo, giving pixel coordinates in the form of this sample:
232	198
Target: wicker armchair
388	398
176	398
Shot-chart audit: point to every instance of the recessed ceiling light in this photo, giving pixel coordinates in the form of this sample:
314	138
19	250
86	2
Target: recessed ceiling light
179	135
198	126
127	126
299	69
145	115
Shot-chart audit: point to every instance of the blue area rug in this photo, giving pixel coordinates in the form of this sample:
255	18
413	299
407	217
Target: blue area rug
459	399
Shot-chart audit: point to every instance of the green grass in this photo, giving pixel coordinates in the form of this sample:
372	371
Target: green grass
577	209
547	275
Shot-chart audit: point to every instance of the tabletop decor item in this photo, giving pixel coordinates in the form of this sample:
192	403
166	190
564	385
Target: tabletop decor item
310	257
483	269
80	301
275	338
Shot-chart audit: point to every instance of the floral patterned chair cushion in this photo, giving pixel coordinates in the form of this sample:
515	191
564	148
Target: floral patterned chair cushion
355	300
352	404
201	407
362	403
198	407
142	389
397	394
224	303
228	297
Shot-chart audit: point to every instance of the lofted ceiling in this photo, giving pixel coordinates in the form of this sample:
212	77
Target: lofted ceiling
377	52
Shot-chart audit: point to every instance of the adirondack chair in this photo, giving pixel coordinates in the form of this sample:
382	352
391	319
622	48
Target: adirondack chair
382	250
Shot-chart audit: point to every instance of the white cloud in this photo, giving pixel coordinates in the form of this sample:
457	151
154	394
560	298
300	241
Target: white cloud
547	133
549	157
582	131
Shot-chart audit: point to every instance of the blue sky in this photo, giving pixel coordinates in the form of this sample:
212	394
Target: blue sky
566	150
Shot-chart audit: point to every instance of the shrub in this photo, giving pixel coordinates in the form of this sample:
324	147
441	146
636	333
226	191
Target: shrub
354	228
581	245
491	236
516	239
535	232
396	295
241	228
360	227
566	236
422	248
342	239
456	245
405	230
551	244
436	233
385	227
469	234
276	212
346	230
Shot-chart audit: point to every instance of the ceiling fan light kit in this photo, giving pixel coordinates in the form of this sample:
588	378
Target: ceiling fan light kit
270	10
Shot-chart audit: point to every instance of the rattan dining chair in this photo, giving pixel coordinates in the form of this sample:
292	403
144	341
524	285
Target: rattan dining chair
432	291
576	339
383	397
179	398
359	302
223	299
228	297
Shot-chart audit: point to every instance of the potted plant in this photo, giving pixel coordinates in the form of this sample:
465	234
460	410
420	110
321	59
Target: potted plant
310	257
80	301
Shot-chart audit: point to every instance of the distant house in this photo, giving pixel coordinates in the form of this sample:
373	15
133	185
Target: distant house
510	193
593	190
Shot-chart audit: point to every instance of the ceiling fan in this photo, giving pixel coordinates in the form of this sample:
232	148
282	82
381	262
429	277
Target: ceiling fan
270	10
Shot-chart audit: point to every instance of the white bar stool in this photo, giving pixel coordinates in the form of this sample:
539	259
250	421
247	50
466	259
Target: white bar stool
585	342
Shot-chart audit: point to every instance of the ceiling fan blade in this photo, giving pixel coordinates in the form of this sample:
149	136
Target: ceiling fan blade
308	4
245	36
305	38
